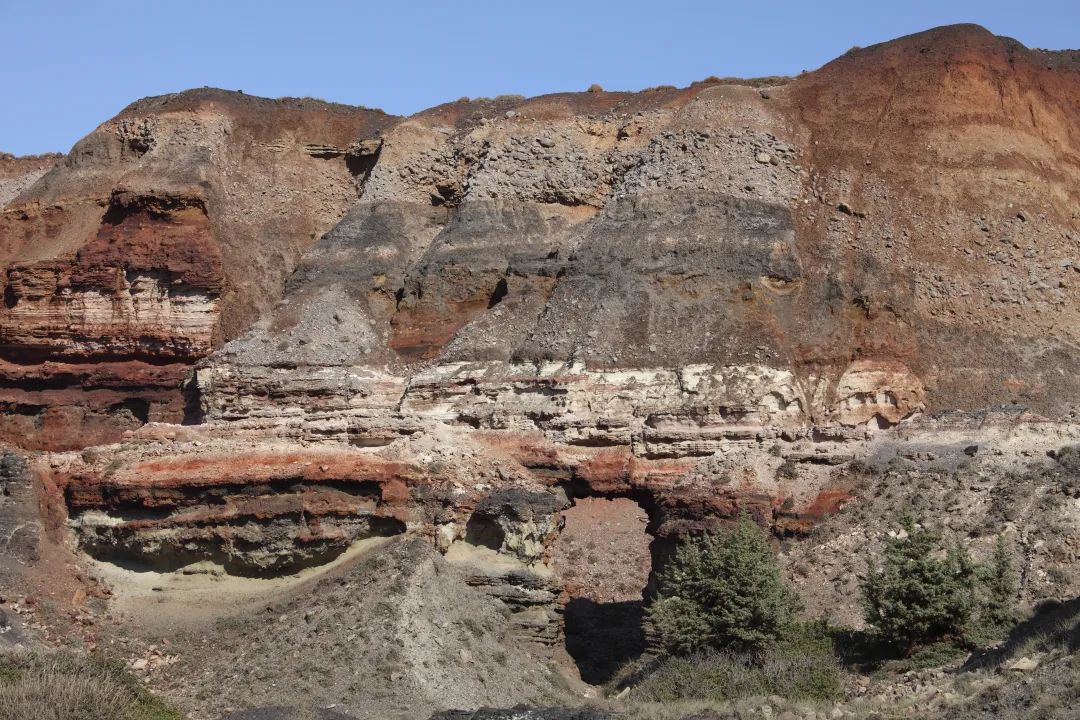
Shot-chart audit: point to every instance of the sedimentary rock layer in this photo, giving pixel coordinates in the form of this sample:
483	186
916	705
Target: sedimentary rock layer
19	173
161	234
711	300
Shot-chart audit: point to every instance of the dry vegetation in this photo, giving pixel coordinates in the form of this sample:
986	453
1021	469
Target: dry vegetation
64	687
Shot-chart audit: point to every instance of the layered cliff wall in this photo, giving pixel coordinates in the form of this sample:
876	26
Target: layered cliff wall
785	297
159	236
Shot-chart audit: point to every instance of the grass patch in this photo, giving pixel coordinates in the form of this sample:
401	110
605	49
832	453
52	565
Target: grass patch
65	686
803	665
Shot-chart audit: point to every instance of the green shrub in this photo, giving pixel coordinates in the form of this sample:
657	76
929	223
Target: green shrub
922	592
800	666
722	590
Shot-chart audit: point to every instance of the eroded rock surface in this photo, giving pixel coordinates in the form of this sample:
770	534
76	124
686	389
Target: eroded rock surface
805	301
161	234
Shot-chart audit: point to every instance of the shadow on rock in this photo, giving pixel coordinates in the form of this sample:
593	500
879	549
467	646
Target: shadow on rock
1054	624
602	637
522	712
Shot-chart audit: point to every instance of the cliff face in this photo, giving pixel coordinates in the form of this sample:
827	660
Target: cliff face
908	206
160	235
805	227
701	300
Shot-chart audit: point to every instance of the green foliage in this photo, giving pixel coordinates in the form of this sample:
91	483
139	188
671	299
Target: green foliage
148	707
800	666
997	610
924	593
722	590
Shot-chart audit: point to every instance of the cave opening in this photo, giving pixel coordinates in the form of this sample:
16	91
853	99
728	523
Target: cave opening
135	410
192	396
604	555
237	555
484	531
361	161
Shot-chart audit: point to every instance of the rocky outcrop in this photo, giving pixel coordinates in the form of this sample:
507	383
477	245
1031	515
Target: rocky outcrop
146	287
720	224
161	234
254	514
20	526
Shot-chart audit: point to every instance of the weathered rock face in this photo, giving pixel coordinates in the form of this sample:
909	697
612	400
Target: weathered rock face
254	514
162	233
146	287
19	173
20	527
699	302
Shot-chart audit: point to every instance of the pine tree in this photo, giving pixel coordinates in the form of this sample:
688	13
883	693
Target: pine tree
922	592
998	611
722	590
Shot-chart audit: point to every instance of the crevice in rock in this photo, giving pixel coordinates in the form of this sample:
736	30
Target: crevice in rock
361	159
137	409
194	414
125	204
497	294
24	409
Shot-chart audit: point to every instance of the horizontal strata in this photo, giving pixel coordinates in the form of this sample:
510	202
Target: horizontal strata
656	411
492	499
313	459
264	330
162	231
869	210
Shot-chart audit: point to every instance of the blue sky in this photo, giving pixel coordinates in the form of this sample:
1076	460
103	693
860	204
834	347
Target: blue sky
67	66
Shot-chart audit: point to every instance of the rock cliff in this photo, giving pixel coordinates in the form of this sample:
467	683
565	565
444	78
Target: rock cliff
269	330
161	234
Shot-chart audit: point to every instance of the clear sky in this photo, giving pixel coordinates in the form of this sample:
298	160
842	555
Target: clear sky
66	66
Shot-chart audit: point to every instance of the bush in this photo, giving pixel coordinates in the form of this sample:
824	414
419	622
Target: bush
922	592
62	687
722	590
800	666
